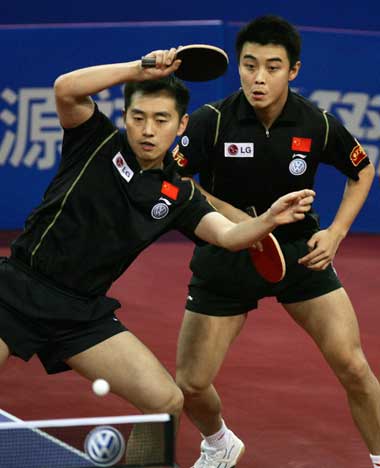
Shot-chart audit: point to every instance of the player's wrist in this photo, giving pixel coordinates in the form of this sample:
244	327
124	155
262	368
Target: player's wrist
268	218
338	231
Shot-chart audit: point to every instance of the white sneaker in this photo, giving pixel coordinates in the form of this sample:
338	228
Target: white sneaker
227	457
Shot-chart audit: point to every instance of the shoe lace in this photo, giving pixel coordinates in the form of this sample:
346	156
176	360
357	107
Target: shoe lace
211	458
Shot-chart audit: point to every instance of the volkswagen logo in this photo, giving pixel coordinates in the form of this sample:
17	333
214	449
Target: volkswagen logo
159	211
297	167
104	445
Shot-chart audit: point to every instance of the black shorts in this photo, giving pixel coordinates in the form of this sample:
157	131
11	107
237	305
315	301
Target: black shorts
226	283
49	322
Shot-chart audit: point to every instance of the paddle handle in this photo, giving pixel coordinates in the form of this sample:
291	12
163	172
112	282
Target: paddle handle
148	62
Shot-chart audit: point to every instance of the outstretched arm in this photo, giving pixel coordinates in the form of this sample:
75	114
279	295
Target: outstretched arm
215	229
73	90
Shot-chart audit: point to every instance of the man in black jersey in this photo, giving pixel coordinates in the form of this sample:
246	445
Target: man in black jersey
114	194
250	148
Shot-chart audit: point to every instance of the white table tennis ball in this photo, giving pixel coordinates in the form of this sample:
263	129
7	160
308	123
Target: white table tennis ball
100	387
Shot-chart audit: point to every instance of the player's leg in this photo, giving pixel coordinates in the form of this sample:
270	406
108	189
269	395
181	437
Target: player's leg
331	322
133	372
202	346
136	375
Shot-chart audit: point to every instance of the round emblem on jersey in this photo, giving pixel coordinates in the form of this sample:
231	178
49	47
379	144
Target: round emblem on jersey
297	166
119	161
159	211
185	140
233	150
104	445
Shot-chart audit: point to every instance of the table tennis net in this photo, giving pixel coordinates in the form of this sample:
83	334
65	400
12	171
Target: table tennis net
120	441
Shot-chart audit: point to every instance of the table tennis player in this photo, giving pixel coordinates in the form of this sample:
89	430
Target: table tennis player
248	149
114	193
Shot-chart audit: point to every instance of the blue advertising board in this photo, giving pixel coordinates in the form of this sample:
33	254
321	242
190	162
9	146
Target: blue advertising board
348	15
339	73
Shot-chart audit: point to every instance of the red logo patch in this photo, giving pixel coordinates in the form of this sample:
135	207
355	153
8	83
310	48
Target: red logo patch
179	158
169	190
357	155
301	144
233	149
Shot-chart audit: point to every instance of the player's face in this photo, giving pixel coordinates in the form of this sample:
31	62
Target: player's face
152	123
264	74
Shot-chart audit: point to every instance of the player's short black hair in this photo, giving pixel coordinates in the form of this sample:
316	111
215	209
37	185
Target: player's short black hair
171	85
270	29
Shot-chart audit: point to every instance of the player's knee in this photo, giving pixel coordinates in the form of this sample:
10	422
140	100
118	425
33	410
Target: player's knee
171	402
354	372
191	385
175	404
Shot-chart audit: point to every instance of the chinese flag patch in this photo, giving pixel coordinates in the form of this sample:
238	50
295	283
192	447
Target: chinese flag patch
169	190
357	155
301	144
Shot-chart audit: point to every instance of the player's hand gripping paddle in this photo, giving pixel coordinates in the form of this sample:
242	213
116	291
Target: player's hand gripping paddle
269	262
200	62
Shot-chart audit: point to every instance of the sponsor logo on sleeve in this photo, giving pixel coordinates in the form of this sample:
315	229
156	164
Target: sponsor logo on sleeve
357	155
179	158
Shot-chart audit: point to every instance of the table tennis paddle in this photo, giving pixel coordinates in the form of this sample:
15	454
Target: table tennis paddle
269	262
200	62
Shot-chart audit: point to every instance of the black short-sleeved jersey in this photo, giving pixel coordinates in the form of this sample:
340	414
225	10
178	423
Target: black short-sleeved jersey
101	210
241	162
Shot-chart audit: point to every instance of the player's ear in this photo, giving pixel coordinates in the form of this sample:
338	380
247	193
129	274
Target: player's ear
183	124
294	70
